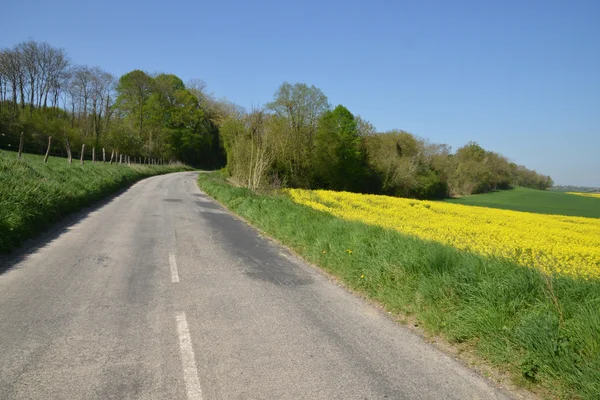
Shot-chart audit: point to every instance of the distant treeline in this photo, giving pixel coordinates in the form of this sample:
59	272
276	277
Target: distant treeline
579	189
296	140
156	116
299	140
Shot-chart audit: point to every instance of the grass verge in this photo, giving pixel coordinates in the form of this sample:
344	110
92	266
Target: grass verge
544	330
34	195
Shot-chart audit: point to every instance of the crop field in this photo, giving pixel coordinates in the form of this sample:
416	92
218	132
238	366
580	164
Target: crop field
535	201
593	195
551	243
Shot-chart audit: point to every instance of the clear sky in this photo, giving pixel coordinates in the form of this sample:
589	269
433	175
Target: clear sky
519	77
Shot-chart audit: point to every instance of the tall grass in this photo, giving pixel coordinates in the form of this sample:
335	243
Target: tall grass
544	330
33	195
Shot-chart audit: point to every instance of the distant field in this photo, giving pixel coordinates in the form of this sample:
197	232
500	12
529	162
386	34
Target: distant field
585	194
537	201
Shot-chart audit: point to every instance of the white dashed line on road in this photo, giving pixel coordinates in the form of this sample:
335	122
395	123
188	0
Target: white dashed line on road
173	263
188	360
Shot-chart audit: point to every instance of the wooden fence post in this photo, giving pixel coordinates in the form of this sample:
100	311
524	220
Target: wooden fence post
120	158
48	151
93	155
111	156
82	152
69	156
20	146
103	156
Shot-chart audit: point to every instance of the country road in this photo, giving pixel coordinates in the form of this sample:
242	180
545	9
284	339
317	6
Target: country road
161	294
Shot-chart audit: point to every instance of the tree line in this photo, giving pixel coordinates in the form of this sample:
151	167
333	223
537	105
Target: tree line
42	94
296	140
299	140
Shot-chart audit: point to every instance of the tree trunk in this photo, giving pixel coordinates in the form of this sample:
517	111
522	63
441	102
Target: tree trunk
48	151
70	158
103	156
32	99
111	157
82	153
93	155
14	96
20	147
22	94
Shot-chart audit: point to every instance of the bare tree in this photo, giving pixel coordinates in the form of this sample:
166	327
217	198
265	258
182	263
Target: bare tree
29	54
80	88
11	71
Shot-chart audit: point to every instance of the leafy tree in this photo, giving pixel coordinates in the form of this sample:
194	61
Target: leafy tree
338	156
133	91
298	108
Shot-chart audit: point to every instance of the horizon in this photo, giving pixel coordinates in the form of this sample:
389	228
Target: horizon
501	75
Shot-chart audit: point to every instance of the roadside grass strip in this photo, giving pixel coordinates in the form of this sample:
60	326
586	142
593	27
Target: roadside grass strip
34	195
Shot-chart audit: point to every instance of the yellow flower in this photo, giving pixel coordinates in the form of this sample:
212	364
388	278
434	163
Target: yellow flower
550	243
324	251
596	195
362	276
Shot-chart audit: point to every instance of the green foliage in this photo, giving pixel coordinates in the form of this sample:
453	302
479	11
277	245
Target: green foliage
35	195
248	140
338	157
297	109
304	143
544	330
159	117
537	201
133	91
403	165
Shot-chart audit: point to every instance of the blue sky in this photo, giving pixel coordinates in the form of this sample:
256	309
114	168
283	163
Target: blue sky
519	77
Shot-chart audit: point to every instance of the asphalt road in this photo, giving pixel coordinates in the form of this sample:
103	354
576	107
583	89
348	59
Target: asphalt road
161	294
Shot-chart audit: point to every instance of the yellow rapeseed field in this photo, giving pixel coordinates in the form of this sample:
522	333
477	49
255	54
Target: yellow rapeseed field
551	243
596	195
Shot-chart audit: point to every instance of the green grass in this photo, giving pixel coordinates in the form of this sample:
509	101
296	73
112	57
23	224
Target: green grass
34	195
545	331
536	201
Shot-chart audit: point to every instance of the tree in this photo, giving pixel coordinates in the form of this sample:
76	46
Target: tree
404	165
133	91
248	143
10	68
338	156
298	108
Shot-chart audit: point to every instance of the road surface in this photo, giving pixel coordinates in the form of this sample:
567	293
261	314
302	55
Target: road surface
161	294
